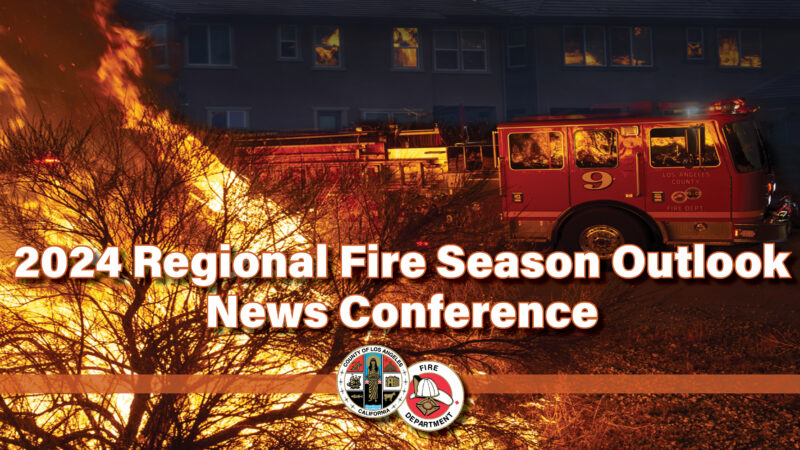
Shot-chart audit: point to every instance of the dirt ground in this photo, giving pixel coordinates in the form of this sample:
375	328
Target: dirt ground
687	326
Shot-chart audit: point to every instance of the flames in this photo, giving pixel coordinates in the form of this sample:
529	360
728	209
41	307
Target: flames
406	45
121	58
577	57
694	50
729	51
327	51
621	60
11	88
734	50
751	61
217	189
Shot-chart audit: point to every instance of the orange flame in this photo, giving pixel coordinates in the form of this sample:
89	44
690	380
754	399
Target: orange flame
694	50
11	86
327	52
405	47
728	51
121	59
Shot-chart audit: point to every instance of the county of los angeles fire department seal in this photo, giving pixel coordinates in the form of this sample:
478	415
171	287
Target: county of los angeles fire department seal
373	381
435	397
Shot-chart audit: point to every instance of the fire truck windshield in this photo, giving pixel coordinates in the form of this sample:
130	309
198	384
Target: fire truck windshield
745	146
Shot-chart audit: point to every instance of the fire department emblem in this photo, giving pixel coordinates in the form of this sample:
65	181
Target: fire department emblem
373	381
678	197
435	397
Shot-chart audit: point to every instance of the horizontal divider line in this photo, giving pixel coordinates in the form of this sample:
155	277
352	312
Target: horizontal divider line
326	384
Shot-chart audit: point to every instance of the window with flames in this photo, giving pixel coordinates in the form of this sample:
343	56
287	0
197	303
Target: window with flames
405	48
327	47
739	48
584	46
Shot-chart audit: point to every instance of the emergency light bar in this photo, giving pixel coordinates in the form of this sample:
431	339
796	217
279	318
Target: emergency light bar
733	106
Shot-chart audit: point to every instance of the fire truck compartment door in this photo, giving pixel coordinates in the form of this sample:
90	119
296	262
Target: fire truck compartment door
688	186
606	164
534	172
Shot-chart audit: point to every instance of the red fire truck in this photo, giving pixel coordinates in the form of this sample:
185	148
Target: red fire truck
594	183
582	183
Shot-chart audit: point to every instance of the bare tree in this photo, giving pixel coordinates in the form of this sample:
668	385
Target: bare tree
103	185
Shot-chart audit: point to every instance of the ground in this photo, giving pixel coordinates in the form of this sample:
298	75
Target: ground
677	327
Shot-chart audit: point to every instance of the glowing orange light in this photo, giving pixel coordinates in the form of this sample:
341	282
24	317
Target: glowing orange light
694	50
48	160
327	52
406	47
573	57
728	51
11	87
624	60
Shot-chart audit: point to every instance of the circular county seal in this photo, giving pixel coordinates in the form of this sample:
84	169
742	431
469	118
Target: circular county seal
435	397
373	381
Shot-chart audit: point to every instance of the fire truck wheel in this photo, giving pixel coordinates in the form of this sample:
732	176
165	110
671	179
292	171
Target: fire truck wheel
602	231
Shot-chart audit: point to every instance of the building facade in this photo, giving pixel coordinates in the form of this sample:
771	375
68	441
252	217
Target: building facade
297	65
297	70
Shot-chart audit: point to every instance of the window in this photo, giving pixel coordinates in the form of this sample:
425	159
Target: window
463	115
329	118
209	45
327	47
515	47
445	45
739	48
396	116
542	150
745	145
596	148
694	43
287	42
229	118
678	147
584	46
157	33
464	50
631	46
473	50
376	116
405	48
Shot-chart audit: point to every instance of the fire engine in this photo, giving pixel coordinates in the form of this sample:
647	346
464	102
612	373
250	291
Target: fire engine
587	183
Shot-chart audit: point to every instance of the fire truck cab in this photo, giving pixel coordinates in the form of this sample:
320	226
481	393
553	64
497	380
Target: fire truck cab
595	183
